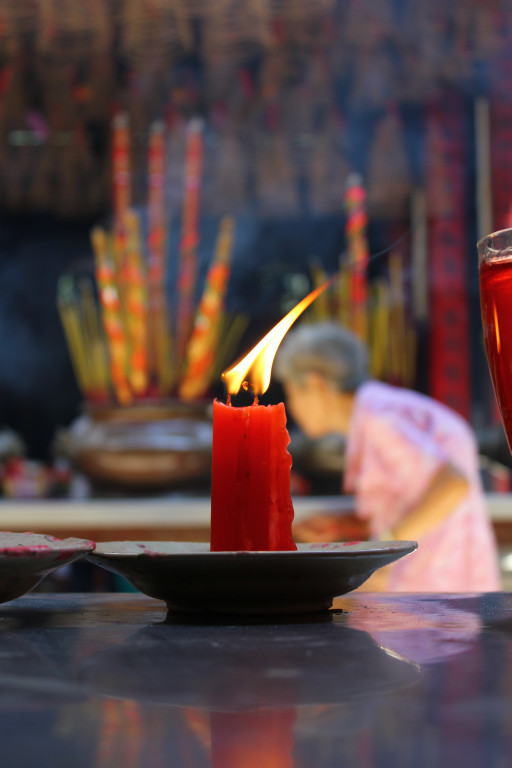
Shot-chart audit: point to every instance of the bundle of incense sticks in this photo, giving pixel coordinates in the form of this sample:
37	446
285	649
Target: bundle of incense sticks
136	354
378	312
392	337
131	373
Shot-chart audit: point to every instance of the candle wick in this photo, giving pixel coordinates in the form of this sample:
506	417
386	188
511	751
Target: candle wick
255	401
228	399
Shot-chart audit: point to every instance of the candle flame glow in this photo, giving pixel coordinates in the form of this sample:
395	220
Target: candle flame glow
256	366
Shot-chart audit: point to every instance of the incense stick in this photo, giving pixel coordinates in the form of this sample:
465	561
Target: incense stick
344	297
95	340
159	332
136	306
121	167
111	313
232	330
320	308
190	237
73	333
200	354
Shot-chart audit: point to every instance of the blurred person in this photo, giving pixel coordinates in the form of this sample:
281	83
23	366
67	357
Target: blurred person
411	463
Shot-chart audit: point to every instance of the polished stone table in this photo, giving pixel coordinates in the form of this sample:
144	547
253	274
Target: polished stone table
381	681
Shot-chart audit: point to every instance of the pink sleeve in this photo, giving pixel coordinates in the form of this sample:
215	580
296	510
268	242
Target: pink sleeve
389	468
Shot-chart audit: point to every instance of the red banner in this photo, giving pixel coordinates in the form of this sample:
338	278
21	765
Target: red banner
501	164
447	245
500	149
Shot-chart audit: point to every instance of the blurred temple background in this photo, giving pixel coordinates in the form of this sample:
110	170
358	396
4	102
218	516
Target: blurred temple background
291	104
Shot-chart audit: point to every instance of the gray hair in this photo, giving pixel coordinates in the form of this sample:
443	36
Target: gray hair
333	352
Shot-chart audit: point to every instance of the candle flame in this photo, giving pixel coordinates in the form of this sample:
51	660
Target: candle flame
255	368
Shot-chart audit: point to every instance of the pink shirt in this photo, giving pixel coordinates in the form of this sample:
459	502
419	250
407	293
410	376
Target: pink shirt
397	442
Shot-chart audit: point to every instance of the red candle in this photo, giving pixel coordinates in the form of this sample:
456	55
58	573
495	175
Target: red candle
251	503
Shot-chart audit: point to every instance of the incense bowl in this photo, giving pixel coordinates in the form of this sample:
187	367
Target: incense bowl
148	446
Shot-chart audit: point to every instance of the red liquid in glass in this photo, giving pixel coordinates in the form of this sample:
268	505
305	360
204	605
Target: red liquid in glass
496	306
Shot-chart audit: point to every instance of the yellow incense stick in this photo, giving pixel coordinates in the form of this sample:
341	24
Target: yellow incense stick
75	344
95	339
200	351
379	337
232	330
159	332
320	307
396	278
344	298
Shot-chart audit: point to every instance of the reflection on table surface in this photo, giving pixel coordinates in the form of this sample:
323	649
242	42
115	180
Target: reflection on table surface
111	680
